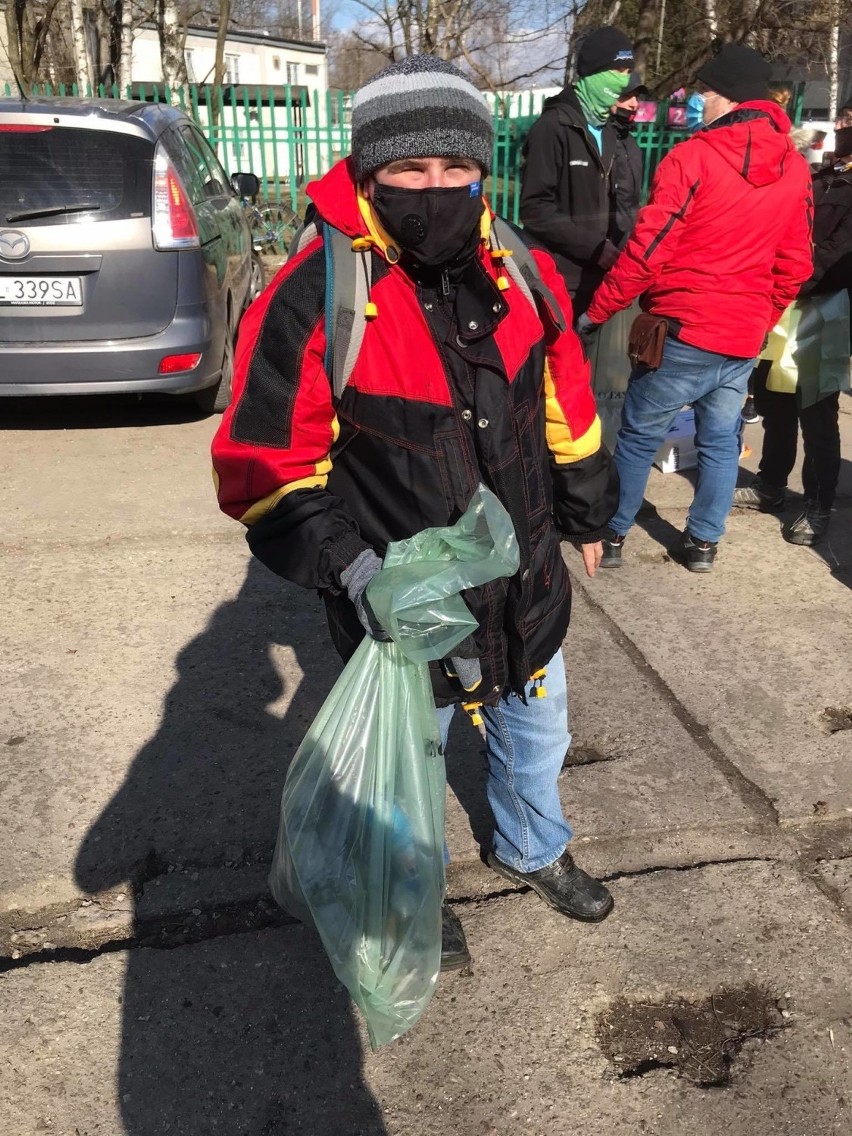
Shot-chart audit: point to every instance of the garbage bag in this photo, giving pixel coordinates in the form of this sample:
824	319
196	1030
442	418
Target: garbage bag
360	844
809	348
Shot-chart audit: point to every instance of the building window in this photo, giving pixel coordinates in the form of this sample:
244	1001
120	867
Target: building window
232	69
292	72
190	64
276	62
311	69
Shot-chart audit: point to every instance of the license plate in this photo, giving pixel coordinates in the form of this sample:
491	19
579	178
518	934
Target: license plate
41	291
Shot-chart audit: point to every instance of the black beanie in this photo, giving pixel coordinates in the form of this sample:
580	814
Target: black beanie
605	49
739	73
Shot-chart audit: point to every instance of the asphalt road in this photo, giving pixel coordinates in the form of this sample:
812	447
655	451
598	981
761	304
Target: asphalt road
156	683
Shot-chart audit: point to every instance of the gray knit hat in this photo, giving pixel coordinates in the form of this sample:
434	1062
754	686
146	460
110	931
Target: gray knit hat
421	107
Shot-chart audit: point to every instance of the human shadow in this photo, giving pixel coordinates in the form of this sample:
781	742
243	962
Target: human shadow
244	1034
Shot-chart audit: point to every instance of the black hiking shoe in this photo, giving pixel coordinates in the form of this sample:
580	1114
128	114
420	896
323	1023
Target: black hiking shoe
454	952
612	547
567	888
698	555
809	528
749	414
759	495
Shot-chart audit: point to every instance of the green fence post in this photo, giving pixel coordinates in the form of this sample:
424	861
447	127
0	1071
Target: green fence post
291	143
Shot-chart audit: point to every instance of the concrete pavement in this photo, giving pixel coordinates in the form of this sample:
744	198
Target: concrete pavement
157	682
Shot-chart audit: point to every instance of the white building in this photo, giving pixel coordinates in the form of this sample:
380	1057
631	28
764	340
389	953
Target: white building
251	59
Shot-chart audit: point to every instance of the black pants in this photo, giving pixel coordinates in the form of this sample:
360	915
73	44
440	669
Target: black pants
782	417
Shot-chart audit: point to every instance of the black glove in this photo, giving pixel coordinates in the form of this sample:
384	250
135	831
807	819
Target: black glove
584	326
355	579
607	256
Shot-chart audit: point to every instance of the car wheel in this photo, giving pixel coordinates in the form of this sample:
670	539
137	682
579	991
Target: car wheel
215	399
256	278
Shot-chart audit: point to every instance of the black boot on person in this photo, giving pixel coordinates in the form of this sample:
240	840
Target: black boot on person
567	888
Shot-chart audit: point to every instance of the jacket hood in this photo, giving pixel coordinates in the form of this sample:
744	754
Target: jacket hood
754	139
335	196
567	102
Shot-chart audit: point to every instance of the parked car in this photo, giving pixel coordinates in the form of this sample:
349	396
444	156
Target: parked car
125	254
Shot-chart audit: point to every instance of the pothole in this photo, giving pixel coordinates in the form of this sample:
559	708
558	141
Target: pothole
579	755
699	1039
833	719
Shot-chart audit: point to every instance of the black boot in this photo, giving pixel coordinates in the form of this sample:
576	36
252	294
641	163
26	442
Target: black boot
698	555
567	888
612	546
454	952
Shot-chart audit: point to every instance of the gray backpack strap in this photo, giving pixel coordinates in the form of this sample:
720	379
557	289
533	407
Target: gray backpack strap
347	289
306	233
523	270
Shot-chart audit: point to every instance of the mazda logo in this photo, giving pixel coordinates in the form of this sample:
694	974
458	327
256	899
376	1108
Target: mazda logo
14	245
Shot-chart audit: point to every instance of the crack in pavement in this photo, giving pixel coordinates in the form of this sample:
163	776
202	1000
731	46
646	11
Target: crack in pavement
256	913
750	793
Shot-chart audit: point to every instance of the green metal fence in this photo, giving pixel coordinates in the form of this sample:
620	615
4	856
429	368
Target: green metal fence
289	136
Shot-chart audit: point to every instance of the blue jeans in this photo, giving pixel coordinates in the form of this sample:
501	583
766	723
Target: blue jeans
715	386
526	747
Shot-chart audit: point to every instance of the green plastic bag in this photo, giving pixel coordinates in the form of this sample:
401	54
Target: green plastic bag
360	844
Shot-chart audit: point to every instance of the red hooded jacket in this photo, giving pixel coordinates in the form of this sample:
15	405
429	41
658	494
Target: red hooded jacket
724	243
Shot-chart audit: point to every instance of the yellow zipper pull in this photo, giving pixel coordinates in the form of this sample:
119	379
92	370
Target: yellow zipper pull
472	709
539	690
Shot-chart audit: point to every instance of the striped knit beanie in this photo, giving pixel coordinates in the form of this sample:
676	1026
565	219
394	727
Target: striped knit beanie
421	107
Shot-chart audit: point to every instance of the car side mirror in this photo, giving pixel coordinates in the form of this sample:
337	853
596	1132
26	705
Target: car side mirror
245	185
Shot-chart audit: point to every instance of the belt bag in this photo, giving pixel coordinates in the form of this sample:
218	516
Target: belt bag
647	340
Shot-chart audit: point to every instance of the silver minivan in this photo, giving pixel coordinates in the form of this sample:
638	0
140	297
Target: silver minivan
125	252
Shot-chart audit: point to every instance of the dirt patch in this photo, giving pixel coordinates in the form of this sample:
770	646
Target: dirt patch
579	755
699	1039
833	719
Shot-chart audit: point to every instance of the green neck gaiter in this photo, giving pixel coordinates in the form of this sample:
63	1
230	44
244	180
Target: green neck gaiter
597	93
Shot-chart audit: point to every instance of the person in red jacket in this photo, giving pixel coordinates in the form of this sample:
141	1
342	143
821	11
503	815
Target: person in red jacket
719	251
461	378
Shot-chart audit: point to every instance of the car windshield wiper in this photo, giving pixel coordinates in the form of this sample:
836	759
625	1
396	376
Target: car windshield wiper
50	211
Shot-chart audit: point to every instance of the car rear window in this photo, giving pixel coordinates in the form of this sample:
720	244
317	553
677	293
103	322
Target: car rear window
57	167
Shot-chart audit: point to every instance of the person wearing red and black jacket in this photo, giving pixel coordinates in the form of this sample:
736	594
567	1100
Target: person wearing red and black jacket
814	407
718	253
459	380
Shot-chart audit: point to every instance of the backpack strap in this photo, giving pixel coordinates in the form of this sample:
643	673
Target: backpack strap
347	290
523	270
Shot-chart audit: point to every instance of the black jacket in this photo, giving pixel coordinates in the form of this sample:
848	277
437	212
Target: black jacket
626	182
566	202
832	234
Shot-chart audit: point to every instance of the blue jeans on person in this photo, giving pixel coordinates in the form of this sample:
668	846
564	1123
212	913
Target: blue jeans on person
715	386
526	747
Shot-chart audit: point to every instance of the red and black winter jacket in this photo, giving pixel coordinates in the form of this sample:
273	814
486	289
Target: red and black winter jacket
446	392
724	242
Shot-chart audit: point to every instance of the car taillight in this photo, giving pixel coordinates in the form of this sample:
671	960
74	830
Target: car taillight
173	221
170	364
22	128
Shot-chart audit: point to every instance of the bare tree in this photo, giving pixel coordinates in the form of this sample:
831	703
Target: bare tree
125	58
82	63
172	35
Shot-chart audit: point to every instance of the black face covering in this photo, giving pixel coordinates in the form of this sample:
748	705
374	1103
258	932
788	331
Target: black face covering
435	226
843	142
624	118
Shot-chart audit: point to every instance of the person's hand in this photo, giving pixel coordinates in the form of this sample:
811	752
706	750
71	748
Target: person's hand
355	579
607	256
584	326
592	555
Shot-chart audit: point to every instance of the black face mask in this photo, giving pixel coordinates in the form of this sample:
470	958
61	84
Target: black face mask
435	226
843	142
624	118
